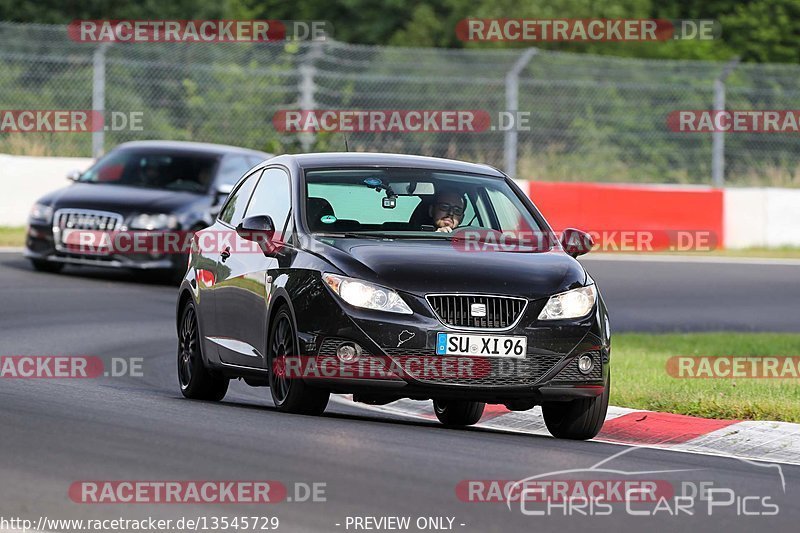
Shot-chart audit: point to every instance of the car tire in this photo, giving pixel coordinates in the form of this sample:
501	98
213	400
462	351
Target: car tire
458	412
290	395
47	266
580	419
196	381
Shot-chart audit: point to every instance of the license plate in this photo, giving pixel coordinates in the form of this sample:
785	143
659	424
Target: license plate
481	345
86	241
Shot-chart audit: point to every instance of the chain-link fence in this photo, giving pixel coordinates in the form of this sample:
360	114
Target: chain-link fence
591	118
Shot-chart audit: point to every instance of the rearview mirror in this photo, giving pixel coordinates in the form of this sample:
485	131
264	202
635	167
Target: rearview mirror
576	242
259	229
74	175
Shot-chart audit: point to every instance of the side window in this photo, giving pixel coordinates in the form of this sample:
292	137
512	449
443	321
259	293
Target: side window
272	197
232	168
507	213
233	211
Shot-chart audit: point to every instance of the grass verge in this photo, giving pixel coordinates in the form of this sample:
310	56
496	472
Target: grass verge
12	236
641	381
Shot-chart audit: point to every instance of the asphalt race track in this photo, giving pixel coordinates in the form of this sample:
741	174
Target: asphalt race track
56	432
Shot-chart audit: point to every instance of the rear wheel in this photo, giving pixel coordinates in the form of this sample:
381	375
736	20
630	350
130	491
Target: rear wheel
458	412
580	419
290	395
46	266
195	379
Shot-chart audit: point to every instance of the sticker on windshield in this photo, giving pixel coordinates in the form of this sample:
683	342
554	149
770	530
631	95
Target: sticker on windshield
328	219
373	182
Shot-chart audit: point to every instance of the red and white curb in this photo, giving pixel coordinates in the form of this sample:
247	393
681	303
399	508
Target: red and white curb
755	440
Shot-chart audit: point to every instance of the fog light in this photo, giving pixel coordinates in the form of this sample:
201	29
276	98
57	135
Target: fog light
348	352
585	364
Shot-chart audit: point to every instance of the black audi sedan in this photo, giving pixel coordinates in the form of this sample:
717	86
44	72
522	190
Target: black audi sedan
144	186
392	276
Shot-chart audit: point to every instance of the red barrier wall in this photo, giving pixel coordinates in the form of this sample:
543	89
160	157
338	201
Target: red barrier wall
677	218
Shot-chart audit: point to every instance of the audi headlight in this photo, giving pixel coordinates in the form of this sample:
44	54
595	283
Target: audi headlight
367	295
153	222
576	303
41	213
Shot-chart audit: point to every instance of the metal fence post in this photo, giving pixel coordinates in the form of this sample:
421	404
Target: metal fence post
512	106
718	137
307	89
99	97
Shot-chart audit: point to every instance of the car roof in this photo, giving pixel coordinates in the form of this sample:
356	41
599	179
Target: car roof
186	146
344	159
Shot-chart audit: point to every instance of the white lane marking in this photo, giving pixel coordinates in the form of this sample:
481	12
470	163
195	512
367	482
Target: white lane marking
661	258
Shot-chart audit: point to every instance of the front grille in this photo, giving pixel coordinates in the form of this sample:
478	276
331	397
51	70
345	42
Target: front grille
487	371
501	312
68	220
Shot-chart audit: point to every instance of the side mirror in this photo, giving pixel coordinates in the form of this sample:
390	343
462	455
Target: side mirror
576	242
259	229
74	175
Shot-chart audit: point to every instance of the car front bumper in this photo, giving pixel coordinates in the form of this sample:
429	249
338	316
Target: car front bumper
547	372
40	245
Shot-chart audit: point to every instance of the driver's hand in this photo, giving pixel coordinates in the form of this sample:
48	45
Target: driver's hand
445	229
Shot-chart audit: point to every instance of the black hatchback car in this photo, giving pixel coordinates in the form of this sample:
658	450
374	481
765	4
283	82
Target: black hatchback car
391	276
143	186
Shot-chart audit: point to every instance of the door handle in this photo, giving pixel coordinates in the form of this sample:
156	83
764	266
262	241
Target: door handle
225	254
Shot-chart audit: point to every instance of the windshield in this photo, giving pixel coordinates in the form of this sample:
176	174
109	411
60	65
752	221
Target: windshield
412	203
155	169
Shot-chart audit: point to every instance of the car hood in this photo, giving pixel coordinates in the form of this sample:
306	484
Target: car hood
433	266
119	198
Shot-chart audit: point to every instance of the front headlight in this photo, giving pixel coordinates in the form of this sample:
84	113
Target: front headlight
41	213
153	222
367	295
576	303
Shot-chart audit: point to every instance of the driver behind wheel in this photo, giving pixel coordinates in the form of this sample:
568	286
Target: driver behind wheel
447	210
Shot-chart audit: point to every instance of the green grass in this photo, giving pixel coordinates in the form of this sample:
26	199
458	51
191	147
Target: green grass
641	381
12	236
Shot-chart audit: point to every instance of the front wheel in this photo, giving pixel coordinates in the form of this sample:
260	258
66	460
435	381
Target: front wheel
290	395
580	419
458	412
195	380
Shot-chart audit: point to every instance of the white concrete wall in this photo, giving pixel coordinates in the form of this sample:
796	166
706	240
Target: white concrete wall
745	215
24	179
761	217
